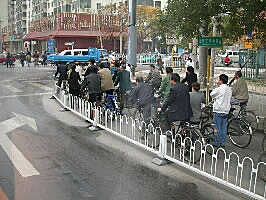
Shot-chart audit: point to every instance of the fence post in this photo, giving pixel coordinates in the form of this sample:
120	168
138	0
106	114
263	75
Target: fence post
95	120
160	159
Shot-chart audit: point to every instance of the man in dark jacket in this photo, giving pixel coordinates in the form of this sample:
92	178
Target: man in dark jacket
143	96
178	102
123	78
93	84
62	70
154	77
190	78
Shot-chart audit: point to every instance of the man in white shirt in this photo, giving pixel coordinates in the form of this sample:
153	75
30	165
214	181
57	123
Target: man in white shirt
221	95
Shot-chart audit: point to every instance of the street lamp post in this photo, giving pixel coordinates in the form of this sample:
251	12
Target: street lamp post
132	36
1	44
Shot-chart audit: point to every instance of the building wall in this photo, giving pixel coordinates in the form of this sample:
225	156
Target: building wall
4	13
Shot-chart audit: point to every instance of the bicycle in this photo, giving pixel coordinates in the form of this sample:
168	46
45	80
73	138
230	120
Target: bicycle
239	130
262	157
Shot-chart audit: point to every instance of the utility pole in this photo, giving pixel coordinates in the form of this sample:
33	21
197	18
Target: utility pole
132	36
1	37
121	33
213	51
203	52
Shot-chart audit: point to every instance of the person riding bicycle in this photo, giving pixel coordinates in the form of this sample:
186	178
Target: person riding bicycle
196	99
165	85
191	77
124	81
239	89
143	96
106	79
62	70
154	77
93	83
221	95
177	105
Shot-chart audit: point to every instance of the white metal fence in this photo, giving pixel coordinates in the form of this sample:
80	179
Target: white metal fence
231	170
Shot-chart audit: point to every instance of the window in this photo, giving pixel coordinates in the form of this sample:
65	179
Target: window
99	6
85	4
158	4
230	53
84	53
48	5
68	53
235	53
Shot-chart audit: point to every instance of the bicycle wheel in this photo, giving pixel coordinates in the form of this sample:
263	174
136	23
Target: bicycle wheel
262	168
240	133
194	135
264	125
207	132
251	118
264	143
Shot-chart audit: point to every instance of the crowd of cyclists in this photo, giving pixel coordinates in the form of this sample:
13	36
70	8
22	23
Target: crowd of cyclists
181	99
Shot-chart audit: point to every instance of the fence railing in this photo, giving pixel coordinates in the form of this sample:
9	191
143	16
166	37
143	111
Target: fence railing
238	173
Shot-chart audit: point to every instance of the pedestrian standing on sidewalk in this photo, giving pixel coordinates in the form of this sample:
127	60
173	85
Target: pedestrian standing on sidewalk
8	60
221	95
44	58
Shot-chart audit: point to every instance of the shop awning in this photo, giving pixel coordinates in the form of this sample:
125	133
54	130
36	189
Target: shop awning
65	34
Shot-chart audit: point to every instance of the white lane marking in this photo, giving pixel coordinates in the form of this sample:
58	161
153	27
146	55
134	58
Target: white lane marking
24	167
11	88
25	95
38	85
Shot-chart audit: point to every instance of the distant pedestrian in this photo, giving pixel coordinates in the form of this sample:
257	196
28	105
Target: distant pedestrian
8	60
160	64
28	58
36	59
166	85
44	59
222	97
22	59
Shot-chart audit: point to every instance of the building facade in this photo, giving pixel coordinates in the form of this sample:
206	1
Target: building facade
23	15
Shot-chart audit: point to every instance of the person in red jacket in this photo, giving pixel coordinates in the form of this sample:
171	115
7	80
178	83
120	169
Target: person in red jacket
227	61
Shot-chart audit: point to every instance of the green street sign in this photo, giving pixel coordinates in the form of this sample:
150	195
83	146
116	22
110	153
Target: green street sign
210	42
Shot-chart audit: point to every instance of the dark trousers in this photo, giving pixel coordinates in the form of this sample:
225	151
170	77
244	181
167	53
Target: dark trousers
8	63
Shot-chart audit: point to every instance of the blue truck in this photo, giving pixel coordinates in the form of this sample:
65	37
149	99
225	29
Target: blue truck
79	55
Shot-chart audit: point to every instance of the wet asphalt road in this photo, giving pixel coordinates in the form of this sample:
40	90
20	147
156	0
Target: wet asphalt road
75	163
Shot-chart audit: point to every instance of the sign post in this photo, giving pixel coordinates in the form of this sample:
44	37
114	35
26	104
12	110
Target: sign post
51	46
209	42
172	42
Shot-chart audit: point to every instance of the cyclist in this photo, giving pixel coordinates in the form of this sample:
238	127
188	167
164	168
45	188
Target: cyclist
106	79
123	78
165	85
154	77
62	70
221	95
177	105
143	96
239	89
190	78
93	83
196	99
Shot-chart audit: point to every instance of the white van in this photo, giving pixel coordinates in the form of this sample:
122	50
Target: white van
233	55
